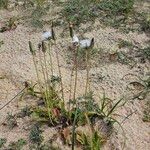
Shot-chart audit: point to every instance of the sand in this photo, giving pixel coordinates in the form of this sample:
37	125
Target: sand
16	67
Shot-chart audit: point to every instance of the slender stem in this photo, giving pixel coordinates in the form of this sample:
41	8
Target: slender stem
73	129
45	81
37	73
46	71
87	71
59	70
48	90
76	73
44	76
12	98
70	85
50	58
91	129
39	82
71	75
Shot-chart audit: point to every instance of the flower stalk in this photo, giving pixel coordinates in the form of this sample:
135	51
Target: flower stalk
35	65
58	61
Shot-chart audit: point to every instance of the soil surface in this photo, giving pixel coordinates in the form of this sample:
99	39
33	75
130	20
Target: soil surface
16	67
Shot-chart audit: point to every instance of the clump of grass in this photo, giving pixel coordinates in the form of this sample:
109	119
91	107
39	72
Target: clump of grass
80	11
104	109
82	109
89	142
99	117
47	81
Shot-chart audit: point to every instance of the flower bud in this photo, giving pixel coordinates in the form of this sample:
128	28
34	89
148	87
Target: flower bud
53	33
31	48
43	47
71	30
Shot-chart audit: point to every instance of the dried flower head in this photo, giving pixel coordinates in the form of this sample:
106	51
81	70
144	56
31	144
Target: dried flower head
31	48
39	46
52	31
71	30
43	47
92	43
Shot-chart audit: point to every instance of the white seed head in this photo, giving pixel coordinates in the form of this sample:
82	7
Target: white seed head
85	43
46	35
75	39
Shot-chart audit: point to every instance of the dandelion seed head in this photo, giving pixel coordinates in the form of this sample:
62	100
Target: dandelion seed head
46	35
85	43
75	39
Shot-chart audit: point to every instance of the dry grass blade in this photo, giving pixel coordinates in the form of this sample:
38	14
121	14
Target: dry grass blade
114	107
12	98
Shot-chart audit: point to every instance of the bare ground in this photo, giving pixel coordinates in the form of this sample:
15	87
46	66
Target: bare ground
16	66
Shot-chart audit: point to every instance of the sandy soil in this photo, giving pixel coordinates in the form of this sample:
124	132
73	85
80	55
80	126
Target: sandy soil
16	66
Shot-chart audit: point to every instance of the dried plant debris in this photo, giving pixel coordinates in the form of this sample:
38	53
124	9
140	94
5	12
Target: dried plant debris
144	86
10	25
